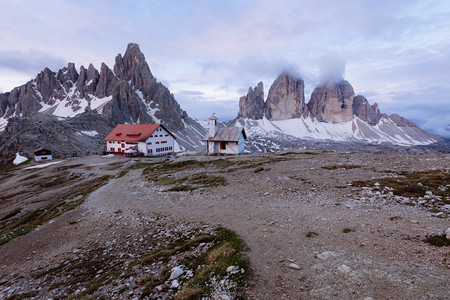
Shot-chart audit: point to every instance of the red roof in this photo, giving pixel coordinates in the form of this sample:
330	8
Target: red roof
134	132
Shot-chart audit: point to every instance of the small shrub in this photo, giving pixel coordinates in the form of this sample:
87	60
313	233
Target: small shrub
181	188
395	218
311	234
258	169
437	240
347	230
73	222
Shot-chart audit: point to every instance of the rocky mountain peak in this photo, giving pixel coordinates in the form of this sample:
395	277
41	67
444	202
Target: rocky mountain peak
252	105
363	110
130	94
400	121
332	102
67	76
133	67
286	98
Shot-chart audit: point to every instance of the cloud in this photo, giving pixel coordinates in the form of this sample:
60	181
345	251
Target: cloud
332	67
200	108
32	61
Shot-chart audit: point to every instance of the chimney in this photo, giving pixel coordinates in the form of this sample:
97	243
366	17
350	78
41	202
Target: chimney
212	126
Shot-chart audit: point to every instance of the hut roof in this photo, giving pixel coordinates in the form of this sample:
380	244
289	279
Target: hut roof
230	134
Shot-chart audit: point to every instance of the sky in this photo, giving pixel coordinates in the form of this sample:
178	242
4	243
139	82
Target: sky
208	53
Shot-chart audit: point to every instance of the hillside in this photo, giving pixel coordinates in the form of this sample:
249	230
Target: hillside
318	225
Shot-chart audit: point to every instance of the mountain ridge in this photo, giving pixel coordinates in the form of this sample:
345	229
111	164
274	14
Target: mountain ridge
128	93
333	113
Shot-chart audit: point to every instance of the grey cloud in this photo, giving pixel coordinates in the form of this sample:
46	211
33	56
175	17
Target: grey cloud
28	62
197	105
332	67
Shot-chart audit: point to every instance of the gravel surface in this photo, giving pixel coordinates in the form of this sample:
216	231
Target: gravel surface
311	234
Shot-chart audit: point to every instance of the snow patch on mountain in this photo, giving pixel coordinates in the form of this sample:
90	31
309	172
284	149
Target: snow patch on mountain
355	130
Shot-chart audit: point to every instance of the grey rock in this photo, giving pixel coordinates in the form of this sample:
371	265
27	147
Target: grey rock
363	110
332	102
252	105
286	98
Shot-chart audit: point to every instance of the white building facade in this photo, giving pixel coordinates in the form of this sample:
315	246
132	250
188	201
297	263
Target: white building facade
145	139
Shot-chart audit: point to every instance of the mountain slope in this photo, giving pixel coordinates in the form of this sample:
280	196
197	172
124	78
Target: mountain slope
129	94
333	114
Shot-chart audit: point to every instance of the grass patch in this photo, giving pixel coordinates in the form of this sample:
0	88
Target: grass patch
122	173
258	169
181	188
166	180
11	214
228	250
73	222
347	230
414	184
32	219
437	240
190	182
395	218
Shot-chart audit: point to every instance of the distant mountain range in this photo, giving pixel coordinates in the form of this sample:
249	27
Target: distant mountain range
71	112
333	114
127	94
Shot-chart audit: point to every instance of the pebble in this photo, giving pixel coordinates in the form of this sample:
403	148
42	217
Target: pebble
326	255
176	272
232	269
294	266
344	269
175	284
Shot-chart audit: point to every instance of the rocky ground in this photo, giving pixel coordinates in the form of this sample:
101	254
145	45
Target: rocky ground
318	225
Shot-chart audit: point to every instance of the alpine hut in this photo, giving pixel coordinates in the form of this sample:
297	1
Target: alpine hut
141	139
228	140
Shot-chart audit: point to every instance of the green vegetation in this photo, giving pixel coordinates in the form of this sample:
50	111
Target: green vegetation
311	234
395	218
414	184
437	240
228	250
15	227
258	169
347	230
190	182
11	214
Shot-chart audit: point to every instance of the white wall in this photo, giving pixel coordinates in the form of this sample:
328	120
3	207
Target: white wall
43	157
161	139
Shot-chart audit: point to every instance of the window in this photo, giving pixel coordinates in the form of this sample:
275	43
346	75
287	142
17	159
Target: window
123	145
112	149
157	143
223	145
160	135
167	135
